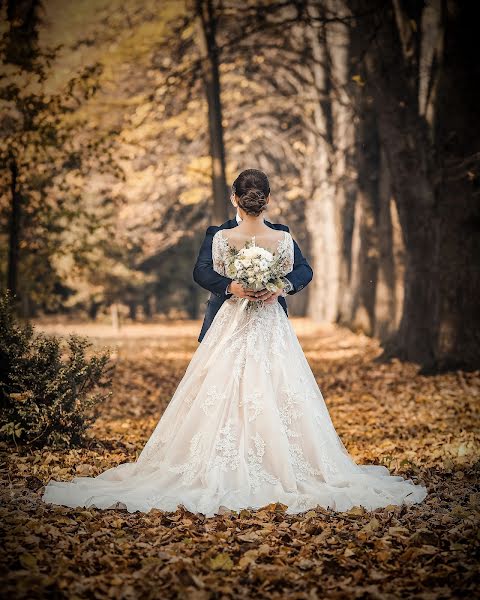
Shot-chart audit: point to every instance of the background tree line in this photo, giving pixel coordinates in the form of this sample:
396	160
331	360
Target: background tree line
123	122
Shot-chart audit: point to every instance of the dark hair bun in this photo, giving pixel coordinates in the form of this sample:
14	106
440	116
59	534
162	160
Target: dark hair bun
253	202
251	188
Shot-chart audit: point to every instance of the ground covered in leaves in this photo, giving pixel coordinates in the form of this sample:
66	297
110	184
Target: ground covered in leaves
424	428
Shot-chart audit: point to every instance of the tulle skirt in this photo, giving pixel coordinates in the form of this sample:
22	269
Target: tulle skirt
246	426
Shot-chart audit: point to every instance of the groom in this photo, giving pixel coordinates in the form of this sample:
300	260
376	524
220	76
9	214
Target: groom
219	286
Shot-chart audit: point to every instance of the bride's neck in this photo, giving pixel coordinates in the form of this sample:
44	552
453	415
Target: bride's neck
252	223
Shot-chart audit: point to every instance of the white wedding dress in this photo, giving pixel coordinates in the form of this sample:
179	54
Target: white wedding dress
247	426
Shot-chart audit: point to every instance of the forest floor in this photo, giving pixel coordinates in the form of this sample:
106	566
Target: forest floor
421	427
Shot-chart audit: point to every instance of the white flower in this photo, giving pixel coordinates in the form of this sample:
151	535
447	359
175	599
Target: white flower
254	267
247	252
254	252
263	265
266	254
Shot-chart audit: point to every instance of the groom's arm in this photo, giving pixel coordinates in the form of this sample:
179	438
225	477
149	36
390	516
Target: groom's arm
203	272
302	273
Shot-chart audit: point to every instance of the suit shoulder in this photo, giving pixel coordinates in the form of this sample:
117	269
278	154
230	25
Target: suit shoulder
212	229
279	226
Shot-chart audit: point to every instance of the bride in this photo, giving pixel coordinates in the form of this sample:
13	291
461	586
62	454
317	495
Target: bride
247	424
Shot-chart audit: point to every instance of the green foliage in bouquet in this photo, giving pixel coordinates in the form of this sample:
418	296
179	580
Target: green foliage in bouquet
47	396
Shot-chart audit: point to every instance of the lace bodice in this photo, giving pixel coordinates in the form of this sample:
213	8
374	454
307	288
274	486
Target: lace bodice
220	246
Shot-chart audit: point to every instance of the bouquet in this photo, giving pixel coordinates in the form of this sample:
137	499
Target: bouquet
255	268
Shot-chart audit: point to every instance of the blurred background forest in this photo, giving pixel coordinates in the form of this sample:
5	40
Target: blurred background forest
124	123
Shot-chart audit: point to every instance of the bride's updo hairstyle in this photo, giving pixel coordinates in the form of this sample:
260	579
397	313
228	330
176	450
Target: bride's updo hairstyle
252	189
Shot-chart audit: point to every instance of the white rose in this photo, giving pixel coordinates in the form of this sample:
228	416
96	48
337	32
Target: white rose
247	252
265	254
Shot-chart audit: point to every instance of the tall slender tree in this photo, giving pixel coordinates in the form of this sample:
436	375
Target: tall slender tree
20	49
206	22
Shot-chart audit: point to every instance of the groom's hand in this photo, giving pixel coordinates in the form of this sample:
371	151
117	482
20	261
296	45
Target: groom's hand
263	295
267	296
237	289
273	297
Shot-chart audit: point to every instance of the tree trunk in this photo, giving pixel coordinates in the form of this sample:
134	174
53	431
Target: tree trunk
391	259
432	153
132	310
403	135
21	46
320	211
93	310
147	308
14	229
20	49
338	45
455	114
206	27
115	316
430	59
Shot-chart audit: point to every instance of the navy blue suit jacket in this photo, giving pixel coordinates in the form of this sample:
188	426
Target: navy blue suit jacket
205	276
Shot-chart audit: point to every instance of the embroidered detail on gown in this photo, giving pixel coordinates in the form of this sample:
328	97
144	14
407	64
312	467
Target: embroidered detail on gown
246	426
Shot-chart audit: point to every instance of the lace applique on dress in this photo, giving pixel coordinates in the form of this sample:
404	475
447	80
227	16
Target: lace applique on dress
212	398
190	469
254	404
305	502
290	410
287	250
256	473
260	335
226	447
219	252
303	469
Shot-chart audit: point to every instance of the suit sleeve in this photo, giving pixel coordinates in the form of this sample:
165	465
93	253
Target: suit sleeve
302	273
203	272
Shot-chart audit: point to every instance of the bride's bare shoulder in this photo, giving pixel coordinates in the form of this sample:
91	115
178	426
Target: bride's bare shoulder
277	234
234	235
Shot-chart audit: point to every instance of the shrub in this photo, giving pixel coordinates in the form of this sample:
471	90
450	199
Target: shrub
49	393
